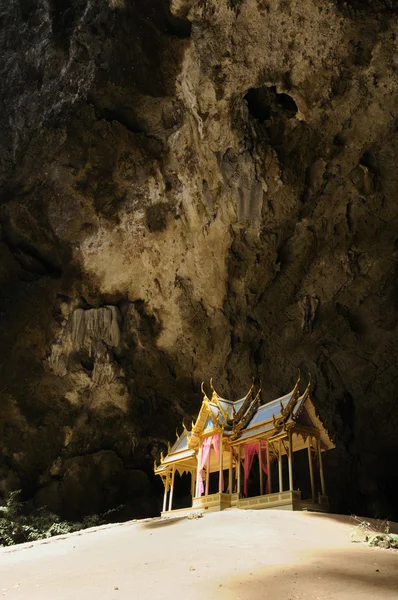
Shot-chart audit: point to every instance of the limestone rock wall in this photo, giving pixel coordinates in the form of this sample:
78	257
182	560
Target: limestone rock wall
193	188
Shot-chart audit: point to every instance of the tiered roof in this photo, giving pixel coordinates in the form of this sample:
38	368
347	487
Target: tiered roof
246	419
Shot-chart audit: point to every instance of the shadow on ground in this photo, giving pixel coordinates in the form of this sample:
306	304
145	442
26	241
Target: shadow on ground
327	576
157	523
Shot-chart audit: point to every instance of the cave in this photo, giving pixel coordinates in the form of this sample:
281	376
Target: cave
193	190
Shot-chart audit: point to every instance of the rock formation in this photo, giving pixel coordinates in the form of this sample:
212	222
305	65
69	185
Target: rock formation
194	188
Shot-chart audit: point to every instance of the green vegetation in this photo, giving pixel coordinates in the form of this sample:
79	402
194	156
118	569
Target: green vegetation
17	525
375	535
384	540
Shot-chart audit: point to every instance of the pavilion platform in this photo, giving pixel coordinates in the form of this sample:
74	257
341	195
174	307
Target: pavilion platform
219	450
287	500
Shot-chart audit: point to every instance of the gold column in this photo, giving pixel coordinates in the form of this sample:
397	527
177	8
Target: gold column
172	487
269	469
290	458
220	475
207	473
238	469
260	466
280	467
311	469
193	482
166	489
321	469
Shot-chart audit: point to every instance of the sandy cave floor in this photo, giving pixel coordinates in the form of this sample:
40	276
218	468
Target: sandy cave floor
242	555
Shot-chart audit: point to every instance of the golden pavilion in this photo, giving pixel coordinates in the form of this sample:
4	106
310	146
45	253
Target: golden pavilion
229	437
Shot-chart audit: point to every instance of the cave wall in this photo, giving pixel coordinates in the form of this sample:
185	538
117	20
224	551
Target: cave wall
189	189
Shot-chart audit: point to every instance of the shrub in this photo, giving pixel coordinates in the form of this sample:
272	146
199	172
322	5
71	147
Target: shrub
375	535
18	526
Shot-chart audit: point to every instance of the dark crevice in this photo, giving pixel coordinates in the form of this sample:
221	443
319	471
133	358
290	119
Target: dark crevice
265	103
158	12
180	28
368	6
148	323
125	117
156	216
65	15
350	222
368	160
356	324
31	260
346	409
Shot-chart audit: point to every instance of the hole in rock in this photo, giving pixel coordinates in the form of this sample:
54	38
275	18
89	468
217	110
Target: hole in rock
265	102
125	117
368	160
156	216
158	12
339	140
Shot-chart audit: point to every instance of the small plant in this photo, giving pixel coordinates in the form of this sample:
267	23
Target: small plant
374	534
384	540
17	526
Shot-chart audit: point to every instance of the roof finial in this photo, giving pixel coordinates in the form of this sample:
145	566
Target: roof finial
183	424
177	434
202	388
211	384
299	375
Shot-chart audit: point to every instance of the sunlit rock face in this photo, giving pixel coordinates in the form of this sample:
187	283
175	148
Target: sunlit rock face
192	189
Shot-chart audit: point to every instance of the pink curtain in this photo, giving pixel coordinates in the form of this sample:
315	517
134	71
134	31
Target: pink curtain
249	451
217	441
212	440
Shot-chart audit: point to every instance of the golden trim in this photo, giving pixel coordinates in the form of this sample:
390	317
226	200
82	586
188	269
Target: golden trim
234	432
215	400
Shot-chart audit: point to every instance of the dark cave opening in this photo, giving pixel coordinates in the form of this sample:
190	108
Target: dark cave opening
125	117
136	50
159	13
265	102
